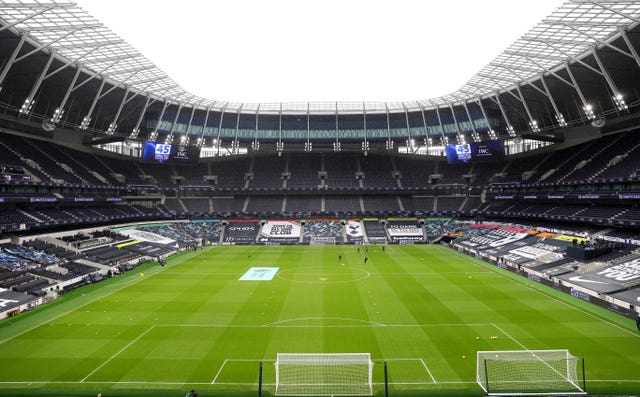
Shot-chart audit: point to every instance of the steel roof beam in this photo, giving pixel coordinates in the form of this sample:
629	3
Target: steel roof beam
484	114
510	130
111	58
204	126
559	115
605	74
581	23
510	70
443	136
42	46
586	65
40	4
547	70
89	45
522	68
136	129
28	17
11	60
633	50
114	124
528	55
604	43
424	123
613	10
41	77
193	112
220	128
585	104
70	27
70	62
573	43
87	119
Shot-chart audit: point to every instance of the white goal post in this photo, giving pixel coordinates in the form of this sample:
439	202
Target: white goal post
324	374
530	372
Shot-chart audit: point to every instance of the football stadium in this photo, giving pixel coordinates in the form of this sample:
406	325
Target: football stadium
158	243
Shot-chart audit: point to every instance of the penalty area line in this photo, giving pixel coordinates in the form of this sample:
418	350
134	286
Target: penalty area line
428	371
117	353
219	372
537	289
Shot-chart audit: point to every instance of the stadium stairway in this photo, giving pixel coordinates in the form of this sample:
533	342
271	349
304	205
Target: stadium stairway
629	156
562	166
54	162
598	157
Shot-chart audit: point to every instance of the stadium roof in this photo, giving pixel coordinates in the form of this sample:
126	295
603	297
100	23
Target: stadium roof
570	33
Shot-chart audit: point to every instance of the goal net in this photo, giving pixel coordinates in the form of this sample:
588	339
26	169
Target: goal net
524	372
322	241
333	374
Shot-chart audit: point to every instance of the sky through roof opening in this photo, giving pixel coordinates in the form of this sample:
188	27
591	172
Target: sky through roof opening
328	51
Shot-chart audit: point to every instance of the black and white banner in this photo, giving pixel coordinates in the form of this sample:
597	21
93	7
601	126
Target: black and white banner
241	232
354	231
143	235
616	277
399	230
280	231
374	229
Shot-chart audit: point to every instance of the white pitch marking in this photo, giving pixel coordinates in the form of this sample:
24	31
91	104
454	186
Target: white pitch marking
543	293
219	371
42	382
428	371
117	353
509	336
372	324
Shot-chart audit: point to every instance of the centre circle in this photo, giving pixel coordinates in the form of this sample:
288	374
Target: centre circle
324	274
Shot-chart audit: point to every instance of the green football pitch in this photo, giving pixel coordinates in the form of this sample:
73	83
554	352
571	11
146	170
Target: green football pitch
424	310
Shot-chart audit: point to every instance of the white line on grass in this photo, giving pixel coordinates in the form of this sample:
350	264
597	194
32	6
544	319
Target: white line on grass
421	273
117	353
123	286
290	320
510	337
463	257
539	359
46	382
219	372
373	325
428	371
424	364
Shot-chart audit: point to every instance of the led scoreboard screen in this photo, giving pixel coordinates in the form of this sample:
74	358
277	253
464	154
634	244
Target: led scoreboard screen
156	152
486	151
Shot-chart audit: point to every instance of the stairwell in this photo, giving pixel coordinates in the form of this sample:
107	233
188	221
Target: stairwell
464	203
615	161
247	180
360	180
594	155
29	163
118	177
567	161
62	166
184	207
30	216
93	173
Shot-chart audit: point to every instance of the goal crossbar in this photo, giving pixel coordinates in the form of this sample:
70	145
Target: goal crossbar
530	372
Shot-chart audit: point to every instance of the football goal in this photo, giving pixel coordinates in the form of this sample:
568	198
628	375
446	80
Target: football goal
322	241
333	374
527	372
